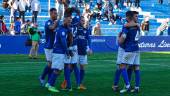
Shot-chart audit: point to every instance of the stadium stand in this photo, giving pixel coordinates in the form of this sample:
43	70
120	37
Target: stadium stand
152	8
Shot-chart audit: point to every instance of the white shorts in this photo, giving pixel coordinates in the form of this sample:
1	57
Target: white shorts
58	61
71	60
48	54
82	59
120	55
74	59
131	58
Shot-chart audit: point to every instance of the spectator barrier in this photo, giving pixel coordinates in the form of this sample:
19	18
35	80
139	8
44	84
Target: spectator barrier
16	44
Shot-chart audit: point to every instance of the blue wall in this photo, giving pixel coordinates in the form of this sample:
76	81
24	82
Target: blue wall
16	44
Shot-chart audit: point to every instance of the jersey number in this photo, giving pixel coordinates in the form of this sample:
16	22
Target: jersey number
137	36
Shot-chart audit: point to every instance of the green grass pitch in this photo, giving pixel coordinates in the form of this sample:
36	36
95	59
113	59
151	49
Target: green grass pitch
19	76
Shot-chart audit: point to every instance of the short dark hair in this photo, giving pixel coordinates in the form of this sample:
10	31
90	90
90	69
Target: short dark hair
129	14
18	18
28	21
135	12
68	12
53	9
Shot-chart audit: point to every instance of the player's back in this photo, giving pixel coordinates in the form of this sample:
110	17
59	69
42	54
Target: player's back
49	35
132	38
122	45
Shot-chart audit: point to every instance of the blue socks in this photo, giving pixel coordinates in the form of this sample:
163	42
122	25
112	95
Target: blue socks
65	73
67	76
77	74
129	72
137	78
52	79
47	71
117	77
82	73
125	76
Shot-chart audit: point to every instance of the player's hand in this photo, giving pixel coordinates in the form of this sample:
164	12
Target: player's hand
67	54
138	24
68	57
71	53
89	52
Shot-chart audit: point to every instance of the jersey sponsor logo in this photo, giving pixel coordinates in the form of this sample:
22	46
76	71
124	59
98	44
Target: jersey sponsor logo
42	41
81	37
63	33
49	23
85	31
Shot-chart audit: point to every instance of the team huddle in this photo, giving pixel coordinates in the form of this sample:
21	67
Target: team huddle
68	45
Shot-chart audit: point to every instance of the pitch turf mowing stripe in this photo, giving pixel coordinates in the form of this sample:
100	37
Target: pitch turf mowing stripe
21	79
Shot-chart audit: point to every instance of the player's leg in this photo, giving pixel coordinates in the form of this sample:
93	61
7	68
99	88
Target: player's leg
137	73
51	82
66	72
130	70
137	79
128	58
82	62
76	74
74	61
115	86
125	75
118	72
66	84
73	65
82	74
67	76
57	66
47	69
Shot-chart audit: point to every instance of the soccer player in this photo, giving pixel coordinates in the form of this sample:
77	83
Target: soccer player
121	52
71	63
122	67
115	86
50	27
130	38
60	50
84	48
136	63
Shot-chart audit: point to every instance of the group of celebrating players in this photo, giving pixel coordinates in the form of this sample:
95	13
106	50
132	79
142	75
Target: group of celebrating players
68	44
128	59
